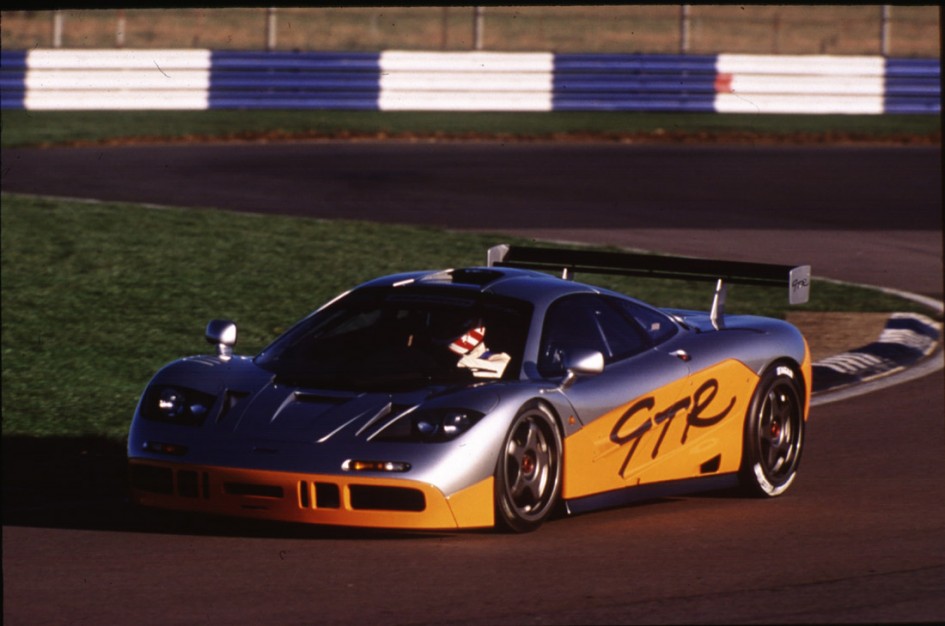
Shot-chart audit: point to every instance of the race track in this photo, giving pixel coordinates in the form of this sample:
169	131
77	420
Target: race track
860	537
881	206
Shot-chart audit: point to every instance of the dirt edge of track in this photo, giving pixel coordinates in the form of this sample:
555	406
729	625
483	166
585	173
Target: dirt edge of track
658	136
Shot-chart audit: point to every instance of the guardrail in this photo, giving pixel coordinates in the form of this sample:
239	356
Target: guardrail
466	81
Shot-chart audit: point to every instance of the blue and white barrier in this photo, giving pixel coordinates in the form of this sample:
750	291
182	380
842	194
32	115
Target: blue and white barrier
466	81
907	339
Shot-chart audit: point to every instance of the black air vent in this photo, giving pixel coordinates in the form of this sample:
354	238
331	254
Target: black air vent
712	465
386	498
248	489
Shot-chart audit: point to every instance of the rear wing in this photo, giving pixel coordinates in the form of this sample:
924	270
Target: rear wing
796	279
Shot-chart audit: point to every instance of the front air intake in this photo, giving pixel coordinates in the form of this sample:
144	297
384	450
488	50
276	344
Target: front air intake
249	489
369	497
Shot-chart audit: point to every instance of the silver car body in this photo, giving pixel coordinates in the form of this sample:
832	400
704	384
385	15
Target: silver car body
257	439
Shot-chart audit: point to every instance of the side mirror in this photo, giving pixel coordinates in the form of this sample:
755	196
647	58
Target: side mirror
223	334
581	363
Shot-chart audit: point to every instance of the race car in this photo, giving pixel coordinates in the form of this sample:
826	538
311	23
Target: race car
496	395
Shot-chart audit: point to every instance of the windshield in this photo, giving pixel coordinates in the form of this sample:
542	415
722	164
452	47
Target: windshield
400	338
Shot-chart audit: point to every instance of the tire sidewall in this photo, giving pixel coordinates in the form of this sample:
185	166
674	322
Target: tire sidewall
506	515
755	477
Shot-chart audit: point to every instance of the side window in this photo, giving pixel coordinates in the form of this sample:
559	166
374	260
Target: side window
569	325
657	326
586	322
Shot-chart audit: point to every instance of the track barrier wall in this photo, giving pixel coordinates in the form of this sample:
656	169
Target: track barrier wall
466	81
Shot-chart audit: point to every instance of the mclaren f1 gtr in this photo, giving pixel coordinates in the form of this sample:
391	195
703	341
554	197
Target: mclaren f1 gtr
483	396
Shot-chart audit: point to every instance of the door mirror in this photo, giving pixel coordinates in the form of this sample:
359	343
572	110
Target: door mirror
223	334
581	363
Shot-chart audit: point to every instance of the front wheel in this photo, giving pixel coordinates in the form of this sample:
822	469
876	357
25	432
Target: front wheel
774	434
528	472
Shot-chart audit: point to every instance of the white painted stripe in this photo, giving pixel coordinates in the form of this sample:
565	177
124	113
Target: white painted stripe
922	319
908	338
463	101
117	79
807	85
466	81
853	362
401	60
768	103
793	64
163	60
141	78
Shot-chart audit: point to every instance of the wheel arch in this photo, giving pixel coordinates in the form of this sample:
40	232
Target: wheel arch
801	372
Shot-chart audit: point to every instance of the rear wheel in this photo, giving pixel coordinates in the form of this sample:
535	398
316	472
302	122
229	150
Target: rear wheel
528	473
774	434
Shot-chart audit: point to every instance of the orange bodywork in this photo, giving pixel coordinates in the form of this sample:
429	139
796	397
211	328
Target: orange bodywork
807	371
688	429
292	497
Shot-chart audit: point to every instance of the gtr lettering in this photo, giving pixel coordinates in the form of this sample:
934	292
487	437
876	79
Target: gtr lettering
697	405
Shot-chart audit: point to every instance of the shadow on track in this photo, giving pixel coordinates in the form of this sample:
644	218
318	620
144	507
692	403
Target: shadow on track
81	483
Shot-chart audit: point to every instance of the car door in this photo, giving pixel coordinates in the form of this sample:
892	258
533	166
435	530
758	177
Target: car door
629	410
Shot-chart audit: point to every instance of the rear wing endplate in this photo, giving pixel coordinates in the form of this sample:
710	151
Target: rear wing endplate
796	279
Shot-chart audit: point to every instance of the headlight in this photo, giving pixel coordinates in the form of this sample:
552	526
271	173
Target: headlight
430	425
177	405
171	403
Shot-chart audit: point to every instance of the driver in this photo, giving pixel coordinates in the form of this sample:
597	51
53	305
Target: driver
476	357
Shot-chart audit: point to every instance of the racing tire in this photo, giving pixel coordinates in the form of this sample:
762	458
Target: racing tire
774	434
528	472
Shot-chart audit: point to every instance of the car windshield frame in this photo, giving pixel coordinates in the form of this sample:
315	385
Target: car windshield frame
400	338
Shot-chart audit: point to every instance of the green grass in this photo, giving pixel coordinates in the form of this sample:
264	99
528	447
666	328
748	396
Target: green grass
22	128
98	296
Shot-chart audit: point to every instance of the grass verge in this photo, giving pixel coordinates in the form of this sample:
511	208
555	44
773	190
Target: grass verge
24	128
98	296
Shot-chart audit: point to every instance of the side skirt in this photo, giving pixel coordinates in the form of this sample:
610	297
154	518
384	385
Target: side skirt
639	493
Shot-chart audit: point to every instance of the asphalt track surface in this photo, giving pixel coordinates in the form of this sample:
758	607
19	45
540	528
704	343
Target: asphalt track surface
859	538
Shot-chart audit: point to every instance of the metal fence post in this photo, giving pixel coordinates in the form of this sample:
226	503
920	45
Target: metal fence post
478	21
57	29
445	26
120	26
270	29
684	29
884	30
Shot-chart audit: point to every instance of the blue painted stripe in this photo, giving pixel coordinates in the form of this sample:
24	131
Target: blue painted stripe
633	82
657	84
930	68
255	100
646	63
636	104
12	79
240	60
297	82
912	86
294	80
912	106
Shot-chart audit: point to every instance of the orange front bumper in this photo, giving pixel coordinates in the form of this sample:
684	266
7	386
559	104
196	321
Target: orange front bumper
339	500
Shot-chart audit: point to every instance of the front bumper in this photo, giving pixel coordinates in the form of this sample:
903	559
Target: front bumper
339	500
